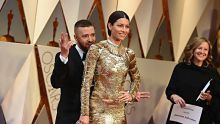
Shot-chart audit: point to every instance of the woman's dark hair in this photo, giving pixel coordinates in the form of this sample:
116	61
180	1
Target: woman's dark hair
114	17
190	48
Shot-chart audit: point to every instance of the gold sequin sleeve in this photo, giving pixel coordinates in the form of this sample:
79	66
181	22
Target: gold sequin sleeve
90	64
134	73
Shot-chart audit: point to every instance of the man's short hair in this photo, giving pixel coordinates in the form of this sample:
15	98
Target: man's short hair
82	23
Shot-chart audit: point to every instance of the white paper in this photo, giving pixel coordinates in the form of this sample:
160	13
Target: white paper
190	114
204	89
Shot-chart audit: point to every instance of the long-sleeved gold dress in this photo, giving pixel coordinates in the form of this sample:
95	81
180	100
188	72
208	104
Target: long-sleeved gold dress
107	65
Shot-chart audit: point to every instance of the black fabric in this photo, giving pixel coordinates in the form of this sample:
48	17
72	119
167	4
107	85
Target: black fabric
187	81
216	111
68	77
2	118
84	56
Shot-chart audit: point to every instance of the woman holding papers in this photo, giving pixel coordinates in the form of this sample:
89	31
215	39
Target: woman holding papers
189	83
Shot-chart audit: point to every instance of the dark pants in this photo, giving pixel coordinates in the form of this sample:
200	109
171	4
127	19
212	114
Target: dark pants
62	119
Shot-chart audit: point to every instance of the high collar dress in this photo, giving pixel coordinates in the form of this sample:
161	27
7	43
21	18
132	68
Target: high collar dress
107	66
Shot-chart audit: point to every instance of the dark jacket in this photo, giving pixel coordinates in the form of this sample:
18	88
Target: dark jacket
68	77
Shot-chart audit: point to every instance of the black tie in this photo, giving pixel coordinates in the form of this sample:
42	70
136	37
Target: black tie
84	56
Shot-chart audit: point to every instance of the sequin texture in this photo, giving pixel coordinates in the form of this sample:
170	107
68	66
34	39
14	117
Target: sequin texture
108	65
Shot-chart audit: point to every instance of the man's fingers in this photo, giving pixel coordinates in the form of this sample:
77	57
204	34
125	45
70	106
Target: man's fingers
69	44
66	38
62	36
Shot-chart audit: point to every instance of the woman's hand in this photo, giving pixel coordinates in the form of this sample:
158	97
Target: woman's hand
178	100
141	95
125	97
206	96
83	120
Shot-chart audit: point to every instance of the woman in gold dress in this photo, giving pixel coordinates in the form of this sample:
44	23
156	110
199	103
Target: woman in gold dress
107	65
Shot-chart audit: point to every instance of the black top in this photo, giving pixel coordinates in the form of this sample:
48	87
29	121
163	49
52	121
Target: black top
187	81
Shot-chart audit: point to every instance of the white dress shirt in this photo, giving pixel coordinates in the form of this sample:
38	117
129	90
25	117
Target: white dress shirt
80	51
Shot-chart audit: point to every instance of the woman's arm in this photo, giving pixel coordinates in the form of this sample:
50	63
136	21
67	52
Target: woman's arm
134	74
89	69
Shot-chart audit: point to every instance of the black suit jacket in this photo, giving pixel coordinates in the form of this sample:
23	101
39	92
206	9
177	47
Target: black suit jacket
68	77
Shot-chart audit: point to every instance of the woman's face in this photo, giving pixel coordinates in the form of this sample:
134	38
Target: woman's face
120	29
201	53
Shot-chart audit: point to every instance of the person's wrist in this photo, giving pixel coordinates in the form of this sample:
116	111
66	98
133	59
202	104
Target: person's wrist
64	55
172	97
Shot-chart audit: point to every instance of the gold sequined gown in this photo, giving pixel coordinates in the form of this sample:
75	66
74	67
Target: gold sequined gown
108	65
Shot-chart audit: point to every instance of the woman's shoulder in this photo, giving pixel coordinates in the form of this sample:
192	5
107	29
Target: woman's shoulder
98	47
181	65
213	69
213	72
102	43
98	44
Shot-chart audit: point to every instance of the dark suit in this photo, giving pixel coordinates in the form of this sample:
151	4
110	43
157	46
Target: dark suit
68	77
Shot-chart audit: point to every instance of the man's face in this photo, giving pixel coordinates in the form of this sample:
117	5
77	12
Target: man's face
85	37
